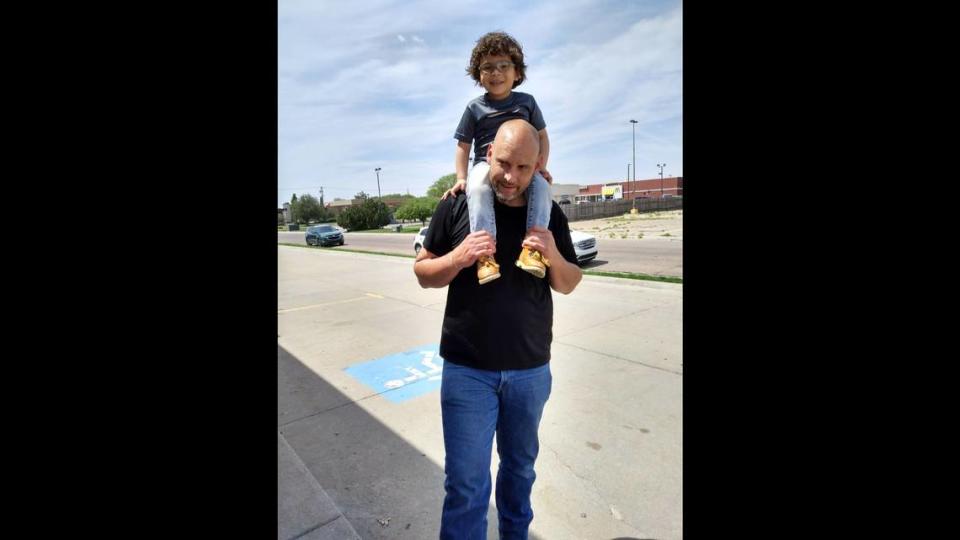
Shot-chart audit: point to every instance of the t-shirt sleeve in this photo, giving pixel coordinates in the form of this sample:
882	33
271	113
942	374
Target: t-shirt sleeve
536	116
437	238
561	234
466	128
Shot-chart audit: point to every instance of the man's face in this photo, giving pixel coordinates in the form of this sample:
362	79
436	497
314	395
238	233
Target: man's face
513	161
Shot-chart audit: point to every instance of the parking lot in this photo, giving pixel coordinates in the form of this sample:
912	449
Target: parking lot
358	399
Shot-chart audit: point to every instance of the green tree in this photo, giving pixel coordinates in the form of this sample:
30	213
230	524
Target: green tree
308	209
294	203
369	214
361	195
398	196
442	185
324	212
420	208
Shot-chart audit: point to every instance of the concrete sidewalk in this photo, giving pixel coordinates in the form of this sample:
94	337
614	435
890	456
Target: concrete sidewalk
304	510
611	436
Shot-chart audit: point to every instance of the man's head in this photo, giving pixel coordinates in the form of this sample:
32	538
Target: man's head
514	157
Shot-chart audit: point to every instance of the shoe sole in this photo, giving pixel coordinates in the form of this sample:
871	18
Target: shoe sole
535	270
489	278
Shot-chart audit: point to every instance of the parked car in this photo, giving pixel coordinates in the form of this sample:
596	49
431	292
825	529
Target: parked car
585	245
418	240
324	235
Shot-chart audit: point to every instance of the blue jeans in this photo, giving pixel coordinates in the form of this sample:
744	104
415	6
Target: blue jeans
475	404
480	201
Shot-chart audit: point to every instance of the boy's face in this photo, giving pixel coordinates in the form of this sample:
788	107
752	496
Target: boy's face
497	75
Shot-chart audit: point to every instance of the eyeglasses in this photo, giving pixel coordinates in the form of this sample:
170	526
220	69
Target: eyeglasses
501	66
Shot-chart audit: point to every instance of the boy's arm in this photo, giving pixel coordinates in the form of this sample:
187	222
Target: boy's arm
463	152
460	162
544	154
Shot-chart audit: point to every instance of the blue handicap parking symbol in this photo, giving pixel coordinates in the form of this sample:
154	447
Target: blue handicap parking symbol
402	376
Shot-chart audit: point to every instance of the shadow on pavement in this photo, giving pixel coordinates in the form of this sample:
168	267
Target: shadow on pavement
385	487
594	263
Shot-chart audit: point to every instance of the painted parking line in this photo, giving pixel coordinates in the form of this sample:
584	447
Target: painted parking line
366	296
402	376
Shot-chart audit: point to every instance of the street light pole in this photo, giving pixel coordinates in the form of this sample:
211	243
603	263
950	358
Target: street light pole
661	165
634	128
377	170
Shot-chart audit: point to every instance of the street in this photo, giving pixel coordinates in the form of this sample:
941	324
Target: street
653	256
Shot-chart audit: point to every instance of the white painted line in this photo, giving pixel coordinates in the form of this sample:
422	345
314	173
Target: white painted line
301	308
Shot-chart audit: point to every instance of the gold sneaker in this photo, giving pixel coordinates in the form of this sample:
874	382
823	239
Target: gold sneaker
487	269
533	261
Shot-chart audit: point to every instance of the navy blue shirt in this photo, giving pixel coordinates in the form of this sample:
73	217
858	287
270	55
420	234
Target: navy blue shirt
483	116
508	322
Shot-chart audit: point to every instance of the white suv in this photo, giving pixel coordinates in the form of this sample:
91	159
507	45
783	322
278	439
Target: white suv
418	240
585	245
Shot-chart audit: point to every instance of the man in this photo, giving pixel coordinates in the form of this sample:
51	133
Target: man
495	340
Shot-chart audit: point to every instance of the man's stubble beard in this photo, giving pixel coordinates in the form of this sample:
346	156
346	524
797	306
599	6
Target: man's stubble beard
503	198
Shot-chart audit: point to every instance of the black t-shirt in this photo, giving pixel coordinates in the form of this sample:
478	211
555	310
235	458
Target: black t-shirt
506	323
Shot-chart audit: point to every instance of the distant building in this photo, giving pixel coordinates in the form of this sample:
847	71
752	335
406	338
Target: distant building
647	188
564	192
337	206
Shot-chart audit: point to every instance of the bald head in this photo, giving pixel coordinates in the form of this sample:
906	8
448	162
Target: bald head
514	157
518	131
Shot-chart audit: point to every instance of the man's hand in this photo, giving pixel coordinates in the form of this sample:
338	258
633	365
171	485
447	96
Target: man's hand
474	246
461	185
546	176
542	240
564	276
435	272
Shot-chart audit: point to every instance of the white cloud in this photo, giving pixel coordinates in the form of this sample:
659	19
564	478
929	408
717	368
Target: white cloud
351	98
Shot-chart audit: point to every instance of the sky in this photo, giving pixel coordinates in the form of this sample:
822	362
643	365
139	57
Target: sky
376	83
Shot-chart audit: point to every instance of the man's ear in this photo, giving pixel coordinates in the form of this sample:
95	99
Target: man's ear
490	153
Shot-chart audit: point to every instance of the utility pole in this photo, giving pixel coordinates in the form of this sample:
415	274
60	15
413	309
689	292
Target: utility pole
634	126
661	165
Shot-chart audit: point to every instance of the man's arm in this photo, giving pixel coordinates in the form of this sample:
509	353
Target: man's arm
434	272
564	276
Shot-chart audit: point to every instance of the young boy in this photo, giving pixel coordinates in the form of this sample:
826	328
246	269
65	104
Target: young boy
496	63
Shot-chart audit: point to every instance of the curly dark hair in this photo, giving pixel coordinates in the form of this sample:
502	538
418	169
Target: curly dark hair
496	44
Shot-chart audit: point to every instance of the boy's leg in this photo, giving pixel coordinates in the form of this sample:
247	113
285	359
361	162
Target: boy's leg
539	205
469	409
522	398
539	202
480	210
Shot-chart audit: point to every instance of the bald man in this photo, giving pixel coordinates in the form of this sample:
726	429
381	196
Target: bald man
495	340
